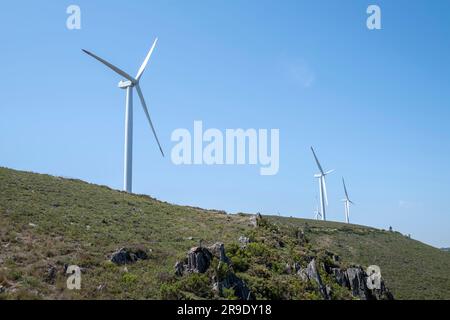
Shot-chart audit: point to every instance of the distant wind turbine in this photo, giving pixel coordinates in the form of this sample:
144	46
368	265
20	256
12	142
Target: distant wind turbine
317	214
129	84
347	203
322	186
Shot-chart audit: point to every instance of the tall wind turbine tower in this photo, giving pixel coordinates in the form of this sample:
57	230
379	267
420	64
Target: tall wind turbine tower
347	203
129	84
322	186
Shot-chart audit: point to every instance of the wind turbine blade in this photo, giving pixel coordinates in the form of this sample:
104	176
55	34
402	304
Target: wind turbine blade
144	64
113	67
329	171
144	106
345	189
317	161
325	190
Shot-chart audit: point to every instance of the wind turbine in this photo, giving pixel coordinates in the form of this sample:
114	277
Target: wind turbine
322	186
129	84
347	203
317	214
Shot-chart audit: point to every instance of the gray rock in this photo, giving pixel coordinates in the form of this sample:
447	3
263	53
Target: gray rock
355	279
101	287
218	251
122	256
179	268
241	291
341	277
287	268
383	293
259	218
244	241
303	275
328	290
127	256
198	260
310	273
231	281
50	274
253	222
358	285
300	235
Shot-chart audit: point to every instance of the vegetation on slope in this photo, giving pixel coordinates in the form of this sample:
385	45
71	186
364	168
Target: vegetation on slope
411	269
48	223
267	261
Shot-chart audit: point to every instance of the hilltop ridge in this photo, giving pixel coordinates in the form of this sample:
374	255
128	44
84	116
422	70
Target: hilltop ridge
48	223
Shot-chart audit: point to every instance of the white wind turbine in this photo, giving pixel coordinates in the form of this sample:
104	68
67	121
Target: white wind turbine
317	214
129	84
347	203
322	186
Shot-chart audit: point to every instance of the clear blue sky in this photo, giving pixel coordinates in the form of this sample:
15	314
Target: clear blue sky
375	104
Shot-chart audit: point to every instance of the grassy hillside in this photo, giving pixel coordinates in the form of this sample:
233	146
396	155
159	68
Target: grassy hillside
411	269
48	222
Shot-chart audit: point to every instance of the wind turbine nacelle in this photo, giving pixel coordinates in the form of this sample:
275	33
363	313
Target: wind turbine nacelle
125	84
318	175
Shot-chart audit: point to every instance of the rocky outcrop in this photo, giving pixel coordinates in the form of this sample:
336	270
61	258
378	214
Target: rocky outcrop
199	260
322	272
311	273
231	281
354	278
179	268
218	251
128	255
341	277
357	279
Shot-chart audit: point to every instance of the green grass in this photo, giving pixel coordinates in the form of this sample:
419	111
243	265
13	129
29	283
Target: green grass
48	221
411	269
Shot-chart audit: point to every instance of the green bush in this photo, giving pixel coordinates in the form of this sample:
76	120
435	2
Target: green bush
240	263
171	291
258	249
198	284
129	278
191	286
229	294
